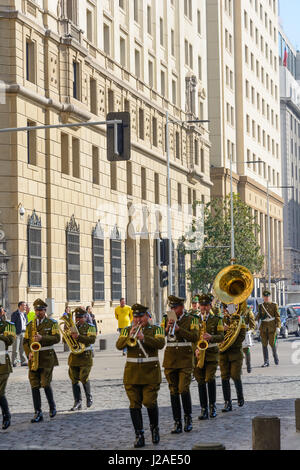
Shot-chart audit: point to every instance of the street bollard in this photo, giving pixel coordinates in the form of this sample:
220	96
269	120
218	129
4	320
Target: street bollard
102	344
297	414
208	446
266	433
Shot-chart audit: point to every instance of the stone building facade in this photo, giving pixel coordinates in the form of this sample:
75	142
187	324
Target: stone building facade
244	110
71	61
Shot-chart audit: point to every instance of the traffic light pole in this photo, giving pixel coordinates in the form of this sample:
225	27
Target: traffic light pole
158	282
169	220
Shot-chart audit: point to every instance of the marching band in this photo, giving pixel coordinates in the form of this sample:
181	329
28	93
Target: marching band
195	342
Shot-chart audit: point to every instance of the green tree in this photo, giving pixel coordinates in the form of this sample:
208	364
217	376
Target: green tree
216	251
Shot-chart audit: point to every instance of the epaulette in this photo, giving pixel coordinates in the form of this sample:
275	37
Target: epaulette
194	324
159	332
220	326
124	332
163	322
55	327
10	329
91	330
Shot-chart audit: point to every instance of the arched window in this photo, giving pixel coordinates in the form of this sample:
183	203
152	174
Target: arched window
116	264
34	242
73	260
98	263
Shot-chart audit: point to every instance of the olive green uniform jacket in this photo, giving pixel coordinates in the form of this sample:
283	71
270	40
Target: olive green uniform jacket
231	360
180	357
87	336
145	372
214	327
49	331
7	337
268	328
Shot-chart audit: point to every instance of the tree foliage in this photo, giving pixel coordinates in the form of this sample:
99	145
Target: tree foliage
216	251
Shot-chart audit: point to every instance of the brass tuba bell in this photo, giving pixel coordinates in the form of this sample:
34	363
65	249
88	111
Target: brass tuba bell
233	285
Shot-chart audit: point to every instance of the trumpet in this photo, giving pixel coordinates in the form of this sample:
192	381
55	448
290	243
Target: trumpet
131	341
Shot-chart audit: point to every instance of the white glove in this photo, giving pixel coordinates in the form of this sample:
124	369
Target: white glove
278	330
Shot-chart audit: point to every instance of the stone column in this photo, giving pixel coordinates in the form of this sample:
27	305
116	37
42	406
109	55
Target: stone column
266	433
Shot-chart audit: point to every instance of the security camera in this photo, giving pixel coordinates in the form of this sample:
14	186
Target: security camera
22	211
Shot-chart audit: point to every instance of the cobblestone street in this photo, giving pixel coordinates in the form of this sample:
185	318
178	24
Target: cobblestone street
107	424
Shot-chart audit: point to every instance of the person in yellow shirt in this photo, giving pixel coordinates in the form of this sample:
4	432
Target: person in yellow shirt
124	315
30	314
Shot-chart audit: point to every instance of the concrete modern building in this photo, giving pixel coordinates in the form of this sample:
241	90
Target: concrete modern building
289	61
244	110
66	212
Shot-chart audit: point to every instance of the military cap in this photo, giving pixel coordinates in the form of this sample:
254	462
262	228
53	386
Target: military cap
79	312
39	304
205	299
139	310
266	293
195	299
175	301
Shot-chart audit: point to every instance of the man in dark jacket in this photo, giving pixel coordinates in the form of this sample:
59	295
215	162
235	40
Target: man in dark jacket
19	318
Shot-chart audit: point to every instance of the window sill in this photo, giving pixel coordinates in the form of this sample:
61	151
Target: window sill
34	290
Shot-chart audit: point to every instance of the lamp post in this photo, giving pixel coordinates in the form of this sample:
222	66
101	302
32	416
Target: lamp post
169	221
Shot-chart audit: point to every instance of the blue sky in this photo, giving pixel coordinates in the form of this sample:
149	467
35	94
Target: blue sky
290	15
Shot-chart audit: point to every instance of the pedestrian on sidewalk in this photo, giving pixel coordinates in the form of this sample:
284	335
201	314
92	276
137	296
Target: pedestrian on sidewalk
124	315
19	318
30	314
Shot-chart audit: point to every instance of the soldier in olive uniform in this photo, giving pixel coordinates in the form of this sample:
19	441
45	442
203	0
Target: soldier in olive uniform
80	364
179	361
214	334
231	362
142	374
47	335
7	337
269	319
249	319
194	310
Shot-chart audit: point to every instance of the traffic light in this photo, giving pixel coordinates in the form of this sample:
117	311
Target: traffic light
163	275
164	251
123	138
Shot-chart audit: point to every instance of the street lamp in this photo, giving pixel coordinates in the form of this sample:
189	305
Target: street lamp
169	222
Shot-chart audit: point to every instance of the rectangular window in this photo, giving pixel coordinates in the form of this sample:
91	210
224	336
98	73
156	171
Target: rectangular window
30	61
34	256
179	195
76	80
150	72
76	157
116	269
174	92
96	169
106	39
143	184
137	63
93	96
161	31
64	145
154	131
136	10
149	20
172	42
98	268
177	145
31	145
90	25
156	188
73	266
163	83
110	101
141	124
123	52
129	177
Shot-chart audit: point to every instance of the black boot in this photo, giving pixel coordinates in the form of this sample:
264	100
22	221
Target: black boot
227	396
266	356
212	394
137	421
176	410
203	401
77	397
37	403
5	413
153	418
187	408
275	355
52	406
239	392
89	398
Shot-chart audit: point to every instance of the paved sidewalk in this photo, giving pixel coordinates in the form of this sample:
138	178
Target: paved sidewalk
107	424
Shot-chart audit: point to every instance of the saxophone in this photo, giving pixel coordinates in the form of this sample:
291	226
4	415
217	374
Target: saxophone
34	347
202	346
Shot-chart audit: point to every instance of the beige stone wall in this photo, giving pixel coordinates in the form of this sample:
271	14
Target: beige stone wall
55	196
